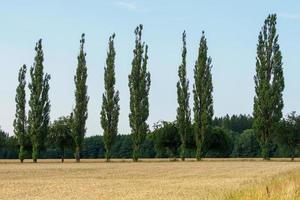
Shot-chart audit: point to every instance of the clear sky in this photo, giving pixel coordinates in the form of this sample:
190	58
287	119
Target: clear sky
231	28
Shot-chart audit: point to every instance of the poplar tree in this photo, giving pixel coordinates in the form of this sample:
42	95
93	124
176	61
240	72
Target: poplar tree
110	99
139	86
203	100
38	117
20	129
269	85
80	112
183	110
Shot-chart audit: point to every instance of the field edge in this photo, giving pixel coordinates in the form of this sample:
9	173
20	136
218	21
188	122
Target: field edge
285	185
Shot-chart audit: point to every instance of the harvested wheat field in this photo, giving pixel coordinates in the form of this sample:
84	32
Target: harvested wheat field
149	179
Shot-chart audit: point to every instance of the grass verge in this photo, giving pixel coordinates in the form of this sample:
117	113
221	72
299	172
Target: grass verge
284	186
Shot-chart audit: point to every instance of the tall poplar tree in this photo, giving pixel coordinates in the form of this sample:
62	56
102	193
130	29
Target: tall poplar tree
183	110
269	85
139	86
110	99
39	103
20	129
203	100
80	112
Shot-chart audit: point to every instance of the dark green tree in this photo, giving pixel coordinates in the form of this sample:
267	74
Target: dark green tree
3	143
217	143
38	117
183	110
20	126
236	123
110	99
203	100
288	134
93	147
247	145
61	134
269	85
139	86
122	148
166	138
80	112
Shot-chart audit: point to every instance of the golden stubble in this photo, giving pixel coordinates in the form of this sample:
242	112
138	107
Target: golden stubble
149	179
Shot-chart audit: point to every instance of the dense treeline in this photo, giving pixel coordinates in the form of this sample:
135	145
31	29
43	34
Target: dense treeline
164	141
266	134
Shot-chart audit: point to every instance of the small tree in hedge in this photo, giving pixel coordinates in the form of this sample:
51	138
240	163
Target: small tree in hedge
166	138
289	133
61	134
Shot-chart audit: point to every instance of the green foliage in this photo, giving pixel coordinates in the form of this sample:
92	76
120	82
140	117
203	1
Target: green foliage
93	147
10	150
269	85
20	124
205	137
247	145
147	148
80	113
3	139
8	146
110	107
139	86
217	143
288	134
38	117
183	111
61	134
190	138
166	139
236	123
203	100
122	148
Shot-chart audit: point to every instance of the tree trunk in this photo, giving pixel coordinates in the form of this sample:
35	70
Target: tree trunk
182	152
107	155
265	152
34	153
21	153
135	154
62	155
199	151
77	154
292	155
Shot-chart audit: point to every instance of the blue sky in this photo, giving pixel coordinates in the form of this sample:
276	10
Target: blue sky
231	29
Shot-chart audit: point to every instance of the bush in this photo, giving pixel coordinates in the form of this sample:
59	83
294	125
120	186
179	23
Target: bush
247	145
218	143
166	139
